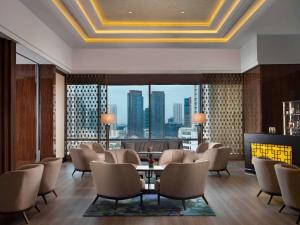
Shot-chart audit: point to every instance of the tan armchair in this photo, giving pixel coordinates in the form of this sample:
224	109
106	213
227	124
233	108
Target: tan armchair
177	155
183	181
218	159
122	156
289	183
97	147
116	181
19	189
51	172
266	177
82	158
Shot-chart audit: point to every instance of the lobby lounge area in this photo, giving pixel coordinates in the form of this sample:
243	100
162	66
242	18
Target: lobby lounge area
143	112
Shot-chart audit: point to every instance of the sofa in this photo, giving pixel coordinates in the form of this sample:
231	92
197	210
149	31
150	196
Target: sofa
156	146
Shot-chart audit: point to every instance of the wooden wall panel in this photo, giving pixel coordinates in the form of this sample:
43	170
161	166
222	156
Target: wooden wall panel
25	114
252	101
47	82
7	104
280	83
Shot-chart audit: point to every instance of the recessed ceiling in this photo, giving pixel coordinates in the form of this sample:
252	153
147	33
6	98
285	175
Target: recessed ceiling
156	21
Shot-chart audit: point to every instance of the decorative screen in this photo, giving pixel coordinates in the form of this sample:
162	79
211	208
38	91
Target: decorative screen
282	153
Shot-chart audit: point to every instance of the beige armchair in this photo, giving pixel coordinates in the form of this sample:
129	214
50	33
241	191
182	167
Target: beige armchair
289	183
266	177
218	159
51	172
122	156
116	181
97	147
81	159
19	189
183	181
202	147
177	155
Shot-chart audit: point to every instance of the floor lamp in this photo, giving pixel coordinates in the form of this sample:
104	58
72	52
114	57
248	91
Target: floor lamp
199	119
107	119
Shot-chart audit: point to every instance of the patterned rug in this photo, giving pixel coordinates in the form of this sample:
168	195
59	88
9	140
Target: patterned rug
131	207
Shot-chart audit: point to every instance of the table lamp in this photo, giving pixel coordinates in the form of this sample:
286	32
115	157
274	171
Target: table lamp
107	119
199	119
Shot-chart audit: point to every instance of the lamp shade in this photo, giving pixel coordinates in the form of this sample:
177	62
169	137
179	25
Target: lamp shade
107	118
199	118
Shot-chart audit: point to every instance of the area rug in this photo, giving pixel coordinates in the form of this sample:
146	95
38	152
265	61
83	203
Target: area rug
131	207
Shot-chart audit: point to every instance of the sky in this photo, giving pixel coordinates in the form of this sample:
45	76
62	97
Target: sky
173	94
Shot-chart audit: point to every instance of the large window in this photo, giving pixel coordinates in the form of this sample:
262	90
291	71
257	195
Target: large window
141	112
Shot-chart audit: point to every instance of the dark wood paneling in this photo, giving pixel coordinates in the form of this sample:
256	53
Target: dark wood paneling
47	81
280	83
7	104
25	114
144	79
252	101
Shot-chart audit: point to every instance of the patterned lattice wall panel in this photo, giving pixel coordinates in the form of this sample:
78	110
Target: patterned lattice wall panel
82	111
282	153
102	109
223	105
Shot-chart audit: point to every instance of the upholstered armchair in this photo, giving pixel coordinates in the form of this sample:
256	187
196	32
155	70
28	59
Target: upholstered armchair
97	147
266	177
202	147
122	156
19	189
289	183
51	172
218	159
116	181
183	181
177	155
81	159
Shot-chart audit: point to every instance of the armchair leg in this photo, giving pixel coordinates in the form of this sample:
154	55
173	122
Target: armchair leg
95	200
205	199
298	220
282	207
227	172
183	204
271	197
82	174
45	200
37	208
260	191
54	192
116	204
218	172
141	201
73	172
158	199
25	217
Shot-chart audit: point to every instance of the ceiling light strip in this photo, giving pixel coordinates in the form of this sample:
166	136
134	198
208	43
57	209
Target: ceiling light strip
142	31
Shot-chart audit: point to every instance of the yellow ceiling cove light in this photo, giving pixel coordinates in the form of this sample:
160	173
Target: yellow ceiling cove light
105	22
234	29
229	12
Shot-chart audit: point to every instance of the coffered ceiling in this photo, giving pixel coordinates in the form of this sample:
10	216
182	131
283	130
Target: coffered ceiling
156	21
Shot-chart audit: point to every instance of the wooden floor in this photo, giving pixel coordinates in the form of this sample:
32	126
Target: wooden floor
233	198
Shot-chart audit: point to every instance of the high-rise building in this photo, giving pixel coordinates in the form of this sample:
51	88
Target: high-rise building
112	108
187	112
177	113
146	118
196	101
157	114
135	114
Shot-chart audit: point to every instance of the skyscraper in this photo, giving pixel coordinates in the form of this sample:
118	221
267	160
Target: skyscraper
196	101
157	114
177	113
187	111
146	118
112	108
135	113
